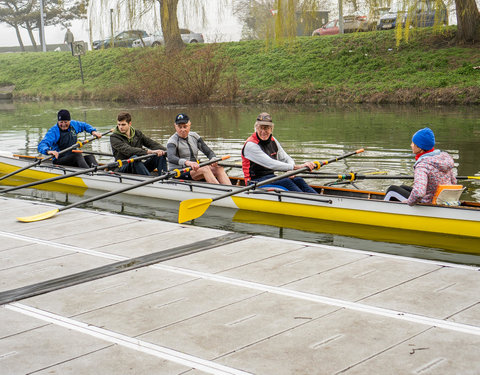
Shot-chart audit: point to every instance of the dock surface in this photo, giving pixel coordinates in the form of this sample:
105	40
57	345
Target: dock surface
89	292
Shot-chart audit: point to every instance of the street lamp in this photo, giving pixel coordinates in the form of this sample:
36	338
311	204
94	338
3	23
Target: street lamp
42	27
111	27
340	16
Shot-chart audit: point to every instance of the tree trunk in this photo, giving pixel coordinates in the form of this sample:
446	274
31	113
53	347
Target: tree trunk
32	37
468	21
169	20
19	37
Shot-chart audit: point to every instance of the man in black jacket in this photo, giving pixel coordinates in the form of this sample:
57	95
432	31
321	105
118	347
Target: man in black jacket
128	142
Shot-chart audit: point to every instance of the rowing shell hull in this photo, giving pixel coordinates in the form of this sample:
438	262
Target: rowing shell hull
459	221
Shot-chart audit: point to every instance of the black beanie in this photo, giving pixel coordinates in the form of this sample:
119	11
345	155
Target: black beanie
63	115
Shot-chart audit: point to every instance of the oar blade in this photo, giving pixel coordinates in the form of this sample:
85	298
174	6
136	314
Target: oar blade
38	217
192	208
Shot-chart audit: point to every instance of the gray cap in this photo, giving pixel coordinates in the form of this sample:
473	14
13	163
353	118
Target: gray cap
264	119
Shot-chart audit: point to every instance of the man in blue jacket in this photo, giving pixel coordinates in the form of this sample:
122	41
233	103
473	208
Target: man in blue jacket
63	135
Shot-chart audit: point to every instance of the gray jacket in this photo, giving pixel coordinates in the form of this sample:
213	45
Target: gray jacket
179	150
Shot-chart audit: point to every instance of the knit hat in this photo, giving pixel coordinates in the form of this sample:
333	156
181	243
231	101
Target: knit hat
63	115
424	139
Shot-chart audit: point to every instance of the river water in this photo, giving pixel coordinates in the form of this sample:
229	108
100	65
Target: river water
306	132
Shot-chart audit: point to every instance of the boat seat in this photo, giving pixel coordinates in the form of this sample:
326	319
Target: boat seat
448	195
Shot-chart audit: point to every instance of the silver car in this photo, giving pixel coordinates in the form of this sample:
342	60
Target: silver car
156	39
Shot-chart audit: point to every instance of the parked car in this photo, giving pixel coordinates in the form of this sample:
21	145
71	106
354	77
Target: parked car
156	39
374	17
353	23
123	39
421	14
330	28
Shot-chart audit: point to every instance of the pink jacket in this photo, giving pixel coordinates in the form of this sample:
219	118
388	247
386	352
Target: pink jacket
431	170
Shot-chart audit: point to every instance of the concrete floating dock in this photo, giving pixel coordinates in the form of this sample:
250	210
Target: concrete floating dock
89	292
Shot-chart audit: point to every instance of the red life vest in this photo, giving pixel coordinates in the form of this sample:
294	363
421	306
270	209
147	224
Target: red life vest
252	170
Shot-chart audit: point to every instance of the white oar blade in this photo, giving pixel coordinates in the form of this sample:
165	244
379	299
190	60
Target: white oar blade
192	208
38	217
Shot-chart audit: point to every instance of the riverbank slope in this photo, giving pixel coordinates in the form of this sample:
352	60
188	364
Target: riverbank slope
362	67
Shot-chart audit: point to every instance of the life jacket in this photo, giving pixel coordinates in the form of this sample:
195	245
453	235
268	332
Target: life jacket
252	170
67	138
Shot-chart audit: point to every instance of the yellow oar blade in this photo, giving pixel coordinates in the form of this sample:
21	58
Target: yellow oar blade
38	217
192	208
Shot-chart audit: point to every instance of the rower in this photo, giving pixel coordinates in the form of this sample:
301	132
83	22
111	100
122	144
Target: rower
128	142
183	148
63	135
431	169
262	155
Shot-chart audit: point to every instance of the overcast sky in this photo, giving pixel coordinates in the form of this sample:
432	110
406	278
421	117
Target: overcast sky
221	26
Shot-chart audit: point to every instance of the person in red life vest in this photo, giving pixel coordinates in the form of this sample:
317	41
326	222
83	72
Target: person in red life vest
432	168
262	155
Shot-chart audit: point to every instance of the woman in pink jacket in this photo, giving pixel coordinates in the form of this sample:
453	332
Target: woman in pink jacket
432	168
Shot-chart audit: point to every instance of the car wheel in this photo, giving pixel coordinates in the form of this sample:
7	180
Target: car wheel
194	41
156	44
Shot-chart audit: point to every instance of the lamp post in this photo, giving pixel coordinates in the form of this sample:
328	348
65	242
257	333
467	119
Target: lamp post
111	28
42	27
340	16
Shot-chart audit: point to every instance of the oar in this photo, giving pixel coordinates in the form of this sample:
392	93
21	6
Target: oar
354	177
174	173
74	146
92	153
192	208
115	164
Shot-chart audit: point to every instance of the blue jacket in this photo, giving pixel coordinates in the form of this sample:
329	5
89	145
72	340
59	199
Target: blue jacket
49	142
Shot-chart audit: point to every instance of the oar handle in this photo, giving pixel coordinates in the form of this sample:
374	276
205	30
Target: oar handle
80	144
285	175
91	153
140	184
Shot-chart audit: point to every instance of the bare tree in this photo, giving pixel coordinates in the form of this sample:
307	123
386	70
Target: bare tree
26	14
12	13
267	19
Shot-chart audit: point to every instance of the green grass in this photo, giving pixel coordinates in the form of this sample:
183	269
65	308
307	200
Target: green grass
362	67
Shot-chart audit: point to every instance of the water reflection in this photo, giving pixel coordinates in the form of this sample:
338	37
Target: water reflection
398	242
317	132
306	132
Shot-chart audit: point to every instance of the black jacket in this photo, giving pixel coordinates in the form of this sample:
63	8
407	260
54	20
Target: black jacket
124	148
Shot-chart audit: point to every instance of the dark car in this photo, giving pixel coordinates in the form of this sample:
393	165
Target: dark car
123	39
422	14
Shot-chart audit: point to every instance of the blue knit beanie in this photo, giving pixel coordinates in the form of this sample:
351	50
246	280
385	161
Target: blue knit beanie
424	138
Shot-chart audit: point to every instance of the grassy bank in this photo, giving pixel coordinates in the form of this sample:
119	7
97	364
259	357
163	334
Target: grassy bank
362	67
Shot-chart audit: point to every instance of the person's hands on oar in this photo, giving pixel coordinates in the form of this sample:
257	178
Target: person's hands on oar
112	165
79	144
174	173
192	208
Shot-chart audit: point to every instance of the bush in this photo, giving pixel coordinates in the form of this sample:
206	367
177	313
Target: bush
189	76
